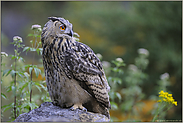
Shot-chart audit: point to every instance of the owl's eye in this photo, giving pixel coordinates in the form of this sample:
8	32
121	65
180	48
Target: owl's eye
62	27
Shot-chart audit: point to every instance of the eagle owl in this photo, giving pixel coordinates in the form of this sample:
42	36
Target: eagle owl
74	75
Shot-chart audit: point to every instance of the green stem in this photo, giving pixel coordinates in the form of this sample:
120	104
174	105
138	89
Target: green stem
15	92
32	70
158	111
15	86
31	90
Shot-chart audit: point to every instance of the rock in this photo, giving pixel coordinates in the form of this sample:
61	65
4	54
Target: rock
47	112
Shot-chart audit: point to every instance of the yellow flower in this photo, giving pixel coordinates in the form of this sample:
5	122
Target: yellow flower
170	95
161	95
171	100
166	93
161	92
166	97
175	103
165	100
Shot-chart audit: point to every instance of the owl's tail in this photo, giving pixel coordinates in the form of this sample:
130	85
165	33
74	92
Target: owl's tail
96	107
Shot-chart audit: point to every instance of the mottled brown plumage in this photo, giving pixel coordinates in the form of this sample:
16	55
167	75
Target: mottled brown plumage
74	75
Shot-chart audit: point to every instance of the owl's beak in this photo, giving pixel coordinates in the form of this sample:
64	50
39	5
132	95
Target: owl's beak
70	33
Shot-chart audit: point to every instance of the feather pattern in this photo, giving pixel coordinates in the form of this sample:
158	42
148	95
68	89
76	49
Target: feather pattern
74	75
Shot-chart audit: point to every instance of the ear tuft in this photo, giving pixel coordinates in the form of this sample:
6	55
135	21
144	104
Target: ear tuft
53	18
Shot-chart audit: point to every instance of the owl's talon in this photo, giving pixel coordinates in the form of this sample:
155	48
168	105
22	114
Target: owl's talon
78	106
72	108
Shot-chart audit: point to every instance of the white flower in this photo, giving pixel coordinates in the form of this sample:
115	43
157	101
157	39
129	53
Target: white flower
164	76
4	54
143	51
119	60
17	38
36	26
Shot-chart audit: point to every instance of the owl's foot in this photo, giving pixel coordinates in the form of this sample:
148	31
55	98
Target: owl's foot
78	106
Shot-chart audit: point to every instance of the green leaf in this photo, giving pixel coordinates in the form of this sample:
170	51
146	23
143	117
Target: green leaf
33	105
25	85
30	86
13	73
3	95
26	66
109	78
26	48
45	88
9	89
30	70
24	105
42	86
26	75
112	95
41	50
6	72
6	107
38	88
30	35
37	71
38	35
22	59
118	95
20	74
13	57
32	49
114	106
38	50
13	90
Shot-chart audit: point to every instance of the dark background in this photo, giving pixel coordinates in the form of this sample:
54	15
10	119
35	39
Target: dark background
113	29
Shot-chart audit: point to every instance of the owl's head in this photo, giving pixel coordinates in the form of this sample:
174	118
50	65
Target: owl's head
57	27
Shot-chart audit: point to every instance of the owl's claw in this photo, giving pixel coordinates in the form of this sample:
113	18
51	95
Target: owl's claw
78	106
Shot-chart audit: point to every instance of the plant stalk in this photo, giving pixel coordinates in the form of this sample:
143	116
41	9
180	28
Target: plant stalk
32	72
15	90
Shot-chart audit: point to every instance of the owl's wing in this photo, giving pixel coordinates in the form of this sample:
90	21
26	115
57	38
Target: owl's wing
84	65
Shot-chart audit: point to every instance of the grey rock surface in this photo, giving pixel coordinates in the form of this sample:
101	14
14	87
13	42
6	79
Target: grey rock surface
47	112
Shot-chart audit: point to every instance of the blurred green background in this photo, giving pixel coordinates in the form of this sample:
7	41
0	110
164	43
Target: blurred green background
113	29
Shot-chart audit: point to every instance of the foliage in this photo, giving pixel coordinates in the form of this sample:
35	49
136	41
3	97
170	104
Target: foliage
129	99
22	84
114	81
